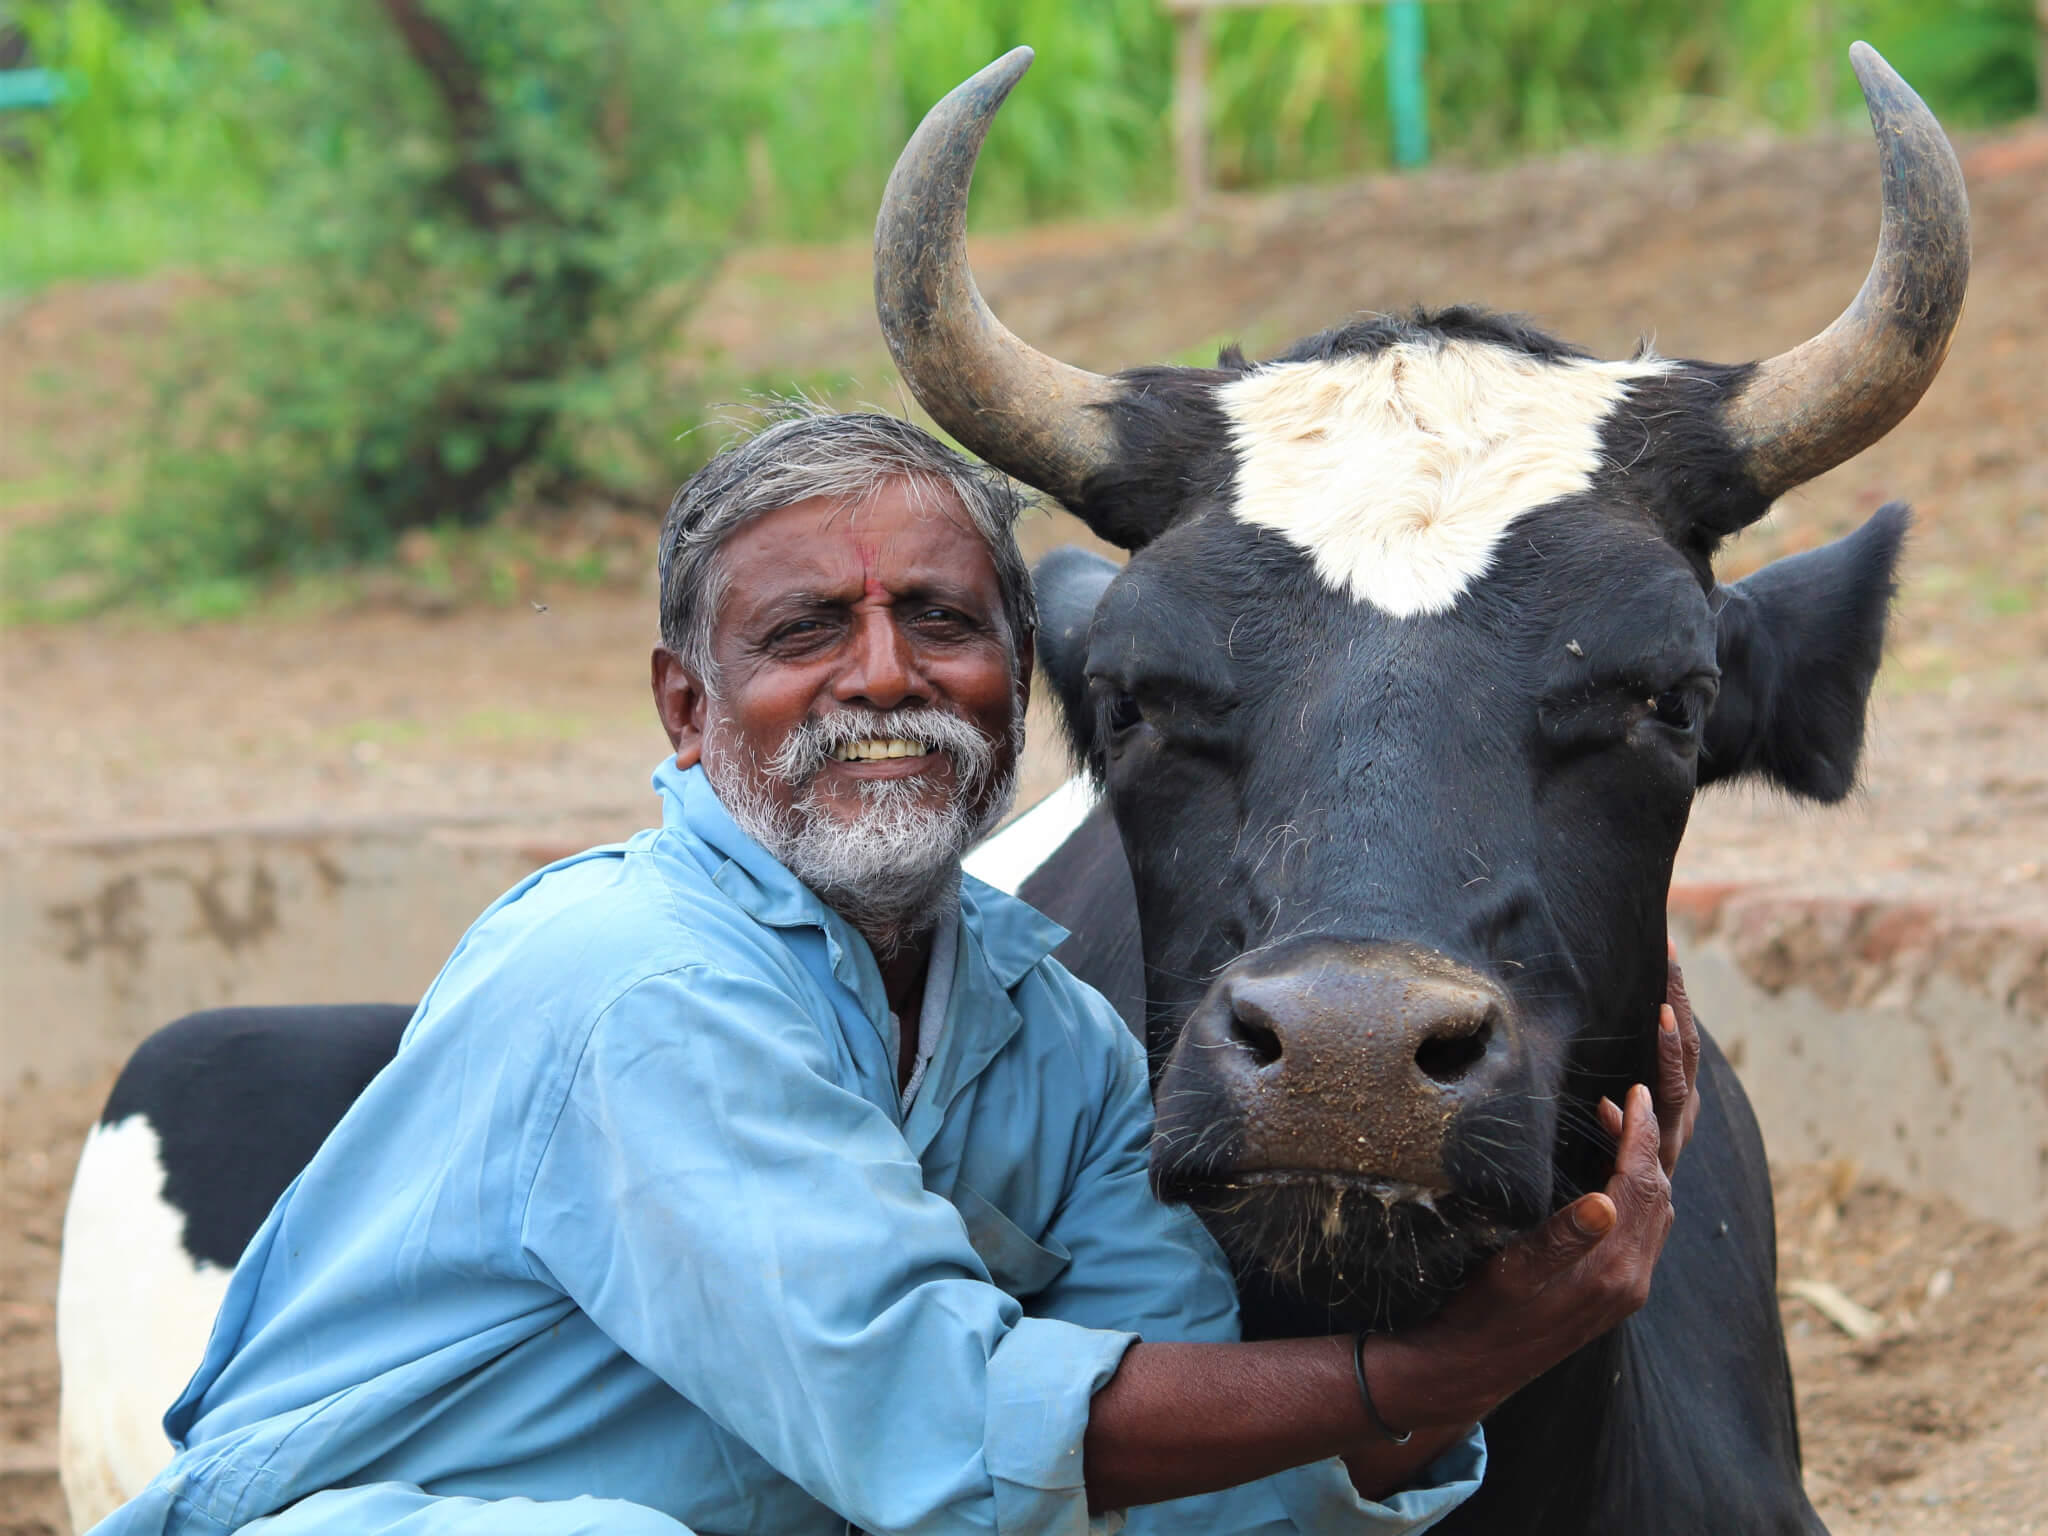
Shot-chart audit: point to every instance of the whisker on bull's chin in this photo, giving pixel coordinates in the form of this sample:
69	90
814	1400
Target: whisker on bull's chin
1381	1263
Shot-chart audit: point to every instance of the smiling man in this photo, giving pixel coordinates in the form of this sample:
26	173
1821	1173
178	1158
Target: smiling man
762	1175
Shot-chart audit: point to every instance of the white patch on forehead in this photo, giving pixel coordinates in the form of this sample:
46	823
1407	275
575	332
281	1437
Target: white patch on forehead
1398	472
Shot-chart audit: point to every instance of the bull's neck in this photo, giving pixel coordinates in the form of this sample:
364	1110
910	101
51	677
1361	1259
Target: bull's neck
1545	1443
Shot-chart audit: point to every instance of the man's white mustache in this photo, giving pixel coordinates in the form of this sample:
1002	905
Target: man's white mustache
813	742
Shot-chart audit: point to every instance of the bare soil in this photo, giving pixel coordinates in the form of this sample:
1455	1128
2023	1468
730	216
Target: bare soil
381	695
1940	1423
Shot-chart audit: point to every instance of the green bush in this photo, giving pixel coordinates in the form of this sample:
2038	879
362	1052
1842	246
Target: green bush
487	243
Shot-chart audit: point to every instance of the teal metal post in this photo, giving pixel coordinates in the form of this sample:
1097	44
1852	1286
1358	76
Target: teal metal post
30	88
1406	100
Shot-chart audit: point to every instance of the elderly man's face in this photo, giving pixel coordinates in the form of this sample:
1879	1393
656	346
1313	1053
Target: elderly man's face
840	625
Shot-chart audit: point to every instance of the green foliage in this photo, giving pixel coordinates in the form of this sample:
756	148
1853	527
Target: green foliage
168	150
1299	92
478	278
1974	60
829	108
151	157
418	310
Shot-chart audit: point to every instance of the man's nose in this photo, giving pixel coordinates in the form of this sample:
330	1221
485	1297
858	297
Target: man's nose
882	671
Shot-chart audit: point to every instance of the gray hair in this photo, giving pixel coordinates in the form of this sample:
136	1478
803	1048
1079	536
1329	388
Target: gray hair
807	453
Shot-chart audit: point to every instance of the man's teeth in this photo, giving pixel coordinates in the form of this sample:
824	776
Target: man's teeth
875	748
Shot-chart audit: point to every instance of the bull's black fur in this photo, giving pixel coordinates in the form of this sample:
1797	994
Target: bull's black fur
1525	731
1681	1421
241	1098
1072	584
1801	640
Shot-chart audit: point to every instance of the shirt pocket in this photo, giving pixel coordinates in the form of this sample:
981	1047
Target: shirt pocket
1016	1263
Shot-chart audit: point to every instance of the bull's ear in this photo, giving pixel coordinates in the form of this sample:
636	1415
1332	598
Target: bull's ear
1799	643
1070	582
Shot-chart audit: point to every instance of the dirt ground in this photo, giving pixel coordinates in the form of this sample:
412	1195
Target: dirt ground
379	696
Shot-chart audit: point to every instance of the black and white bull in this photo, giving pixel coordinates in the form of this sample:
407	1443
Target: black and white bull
1398	710
1399	707
208	1122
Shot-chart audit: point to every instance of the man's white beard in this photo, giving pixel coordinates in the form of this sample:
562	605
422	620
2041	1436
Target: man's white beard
891	870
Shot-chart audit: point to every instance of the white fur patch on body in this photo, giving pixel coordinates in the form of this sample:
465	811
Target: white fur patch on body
1399	471
133	1316
1014	854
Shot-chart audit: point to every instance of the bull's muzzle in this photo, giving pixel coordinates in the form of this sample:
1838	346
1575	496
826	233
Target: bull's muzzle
1335	1057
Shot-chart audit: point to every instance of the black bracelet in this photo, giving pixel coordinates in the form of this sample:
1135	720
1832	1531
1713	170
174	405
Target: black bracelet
1365	1392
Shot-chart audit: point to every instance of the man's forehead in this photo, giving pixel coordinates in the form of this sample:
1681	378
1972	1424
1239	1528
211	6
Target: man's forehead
901	534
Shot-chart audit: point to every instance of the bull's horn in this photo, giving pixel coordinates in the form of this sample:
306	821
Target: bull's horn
1028	414
1807	410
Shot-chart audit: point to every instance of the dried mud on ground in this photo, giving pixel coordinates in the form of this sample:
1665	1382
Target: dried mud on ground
1940	1423
398	704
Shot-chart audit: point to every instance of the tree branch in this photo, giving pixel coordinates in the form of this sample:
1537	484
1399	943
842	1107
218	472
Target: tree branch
492	191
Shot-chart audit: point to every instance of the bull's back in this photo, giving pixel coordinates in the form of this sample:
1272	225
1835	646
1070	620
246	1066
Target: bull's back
211	1119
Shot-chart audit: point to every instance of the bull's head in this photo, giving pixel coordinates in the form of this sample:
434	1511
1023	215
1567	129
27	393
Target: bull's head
1404	694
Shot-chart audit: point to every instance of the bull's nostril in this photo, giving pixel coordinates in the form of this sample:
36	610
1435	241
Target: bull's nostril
1447	1057
1257	1036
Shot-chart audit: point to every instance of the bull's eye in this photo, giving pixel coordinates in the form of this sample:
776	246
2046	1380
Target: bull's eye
1678	708
1123	713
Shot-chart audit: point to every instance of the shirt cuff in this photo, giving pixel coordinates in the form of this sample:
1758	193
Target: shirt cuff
1041	1379
1320	1497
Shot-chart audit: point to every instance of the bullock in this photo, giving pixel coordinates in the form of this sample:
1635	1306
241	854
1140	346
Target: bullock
1398	710
1395	716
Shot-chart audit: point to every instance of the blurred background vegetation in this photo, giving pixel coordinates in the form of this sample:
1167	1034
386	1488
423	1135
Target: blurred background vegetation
442	243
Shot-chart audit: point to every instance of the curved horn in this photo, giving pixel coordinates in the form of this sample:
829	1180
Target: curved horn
1024	412
1807	410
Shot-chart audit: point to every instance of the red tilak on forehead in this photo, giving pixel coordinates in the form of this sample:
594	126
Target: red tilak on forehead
871	584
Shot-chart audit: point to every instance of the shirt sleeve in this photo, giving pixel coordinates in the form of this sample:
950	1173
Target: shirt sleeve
1153	1269
761	1238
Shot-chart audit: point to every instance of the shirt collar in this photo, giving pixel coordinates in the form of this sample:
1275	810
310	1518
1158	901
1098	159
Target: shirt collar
1012	936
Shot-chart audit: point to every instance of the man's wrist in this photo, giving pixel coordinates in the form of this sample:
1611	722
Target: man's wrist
1421	1381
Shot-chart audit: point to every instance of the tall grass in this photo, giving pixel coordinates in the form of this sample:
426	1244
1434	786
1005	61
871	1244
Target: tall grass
1299	92
151	159
156	158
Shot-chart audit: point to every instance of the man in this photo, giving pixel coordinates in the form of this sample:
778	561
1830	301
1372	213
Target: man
757	1175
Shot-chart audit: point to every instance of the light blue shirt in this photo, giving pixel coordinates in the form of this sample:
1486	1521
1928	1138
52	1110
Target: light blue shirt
636	1212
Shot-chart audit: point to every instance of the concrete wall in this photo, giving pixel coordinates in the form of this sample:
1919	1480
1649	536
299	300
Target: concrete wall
1882	1033
1886	1033
104	939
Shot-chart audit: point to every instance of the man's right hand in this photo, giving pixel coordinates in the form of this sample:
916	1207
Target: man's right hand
1538	1301
1178	1419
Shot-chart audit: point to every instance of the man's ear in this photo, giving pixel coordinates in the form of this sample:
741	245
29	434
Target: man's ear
1799	645
682	703
1070	582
